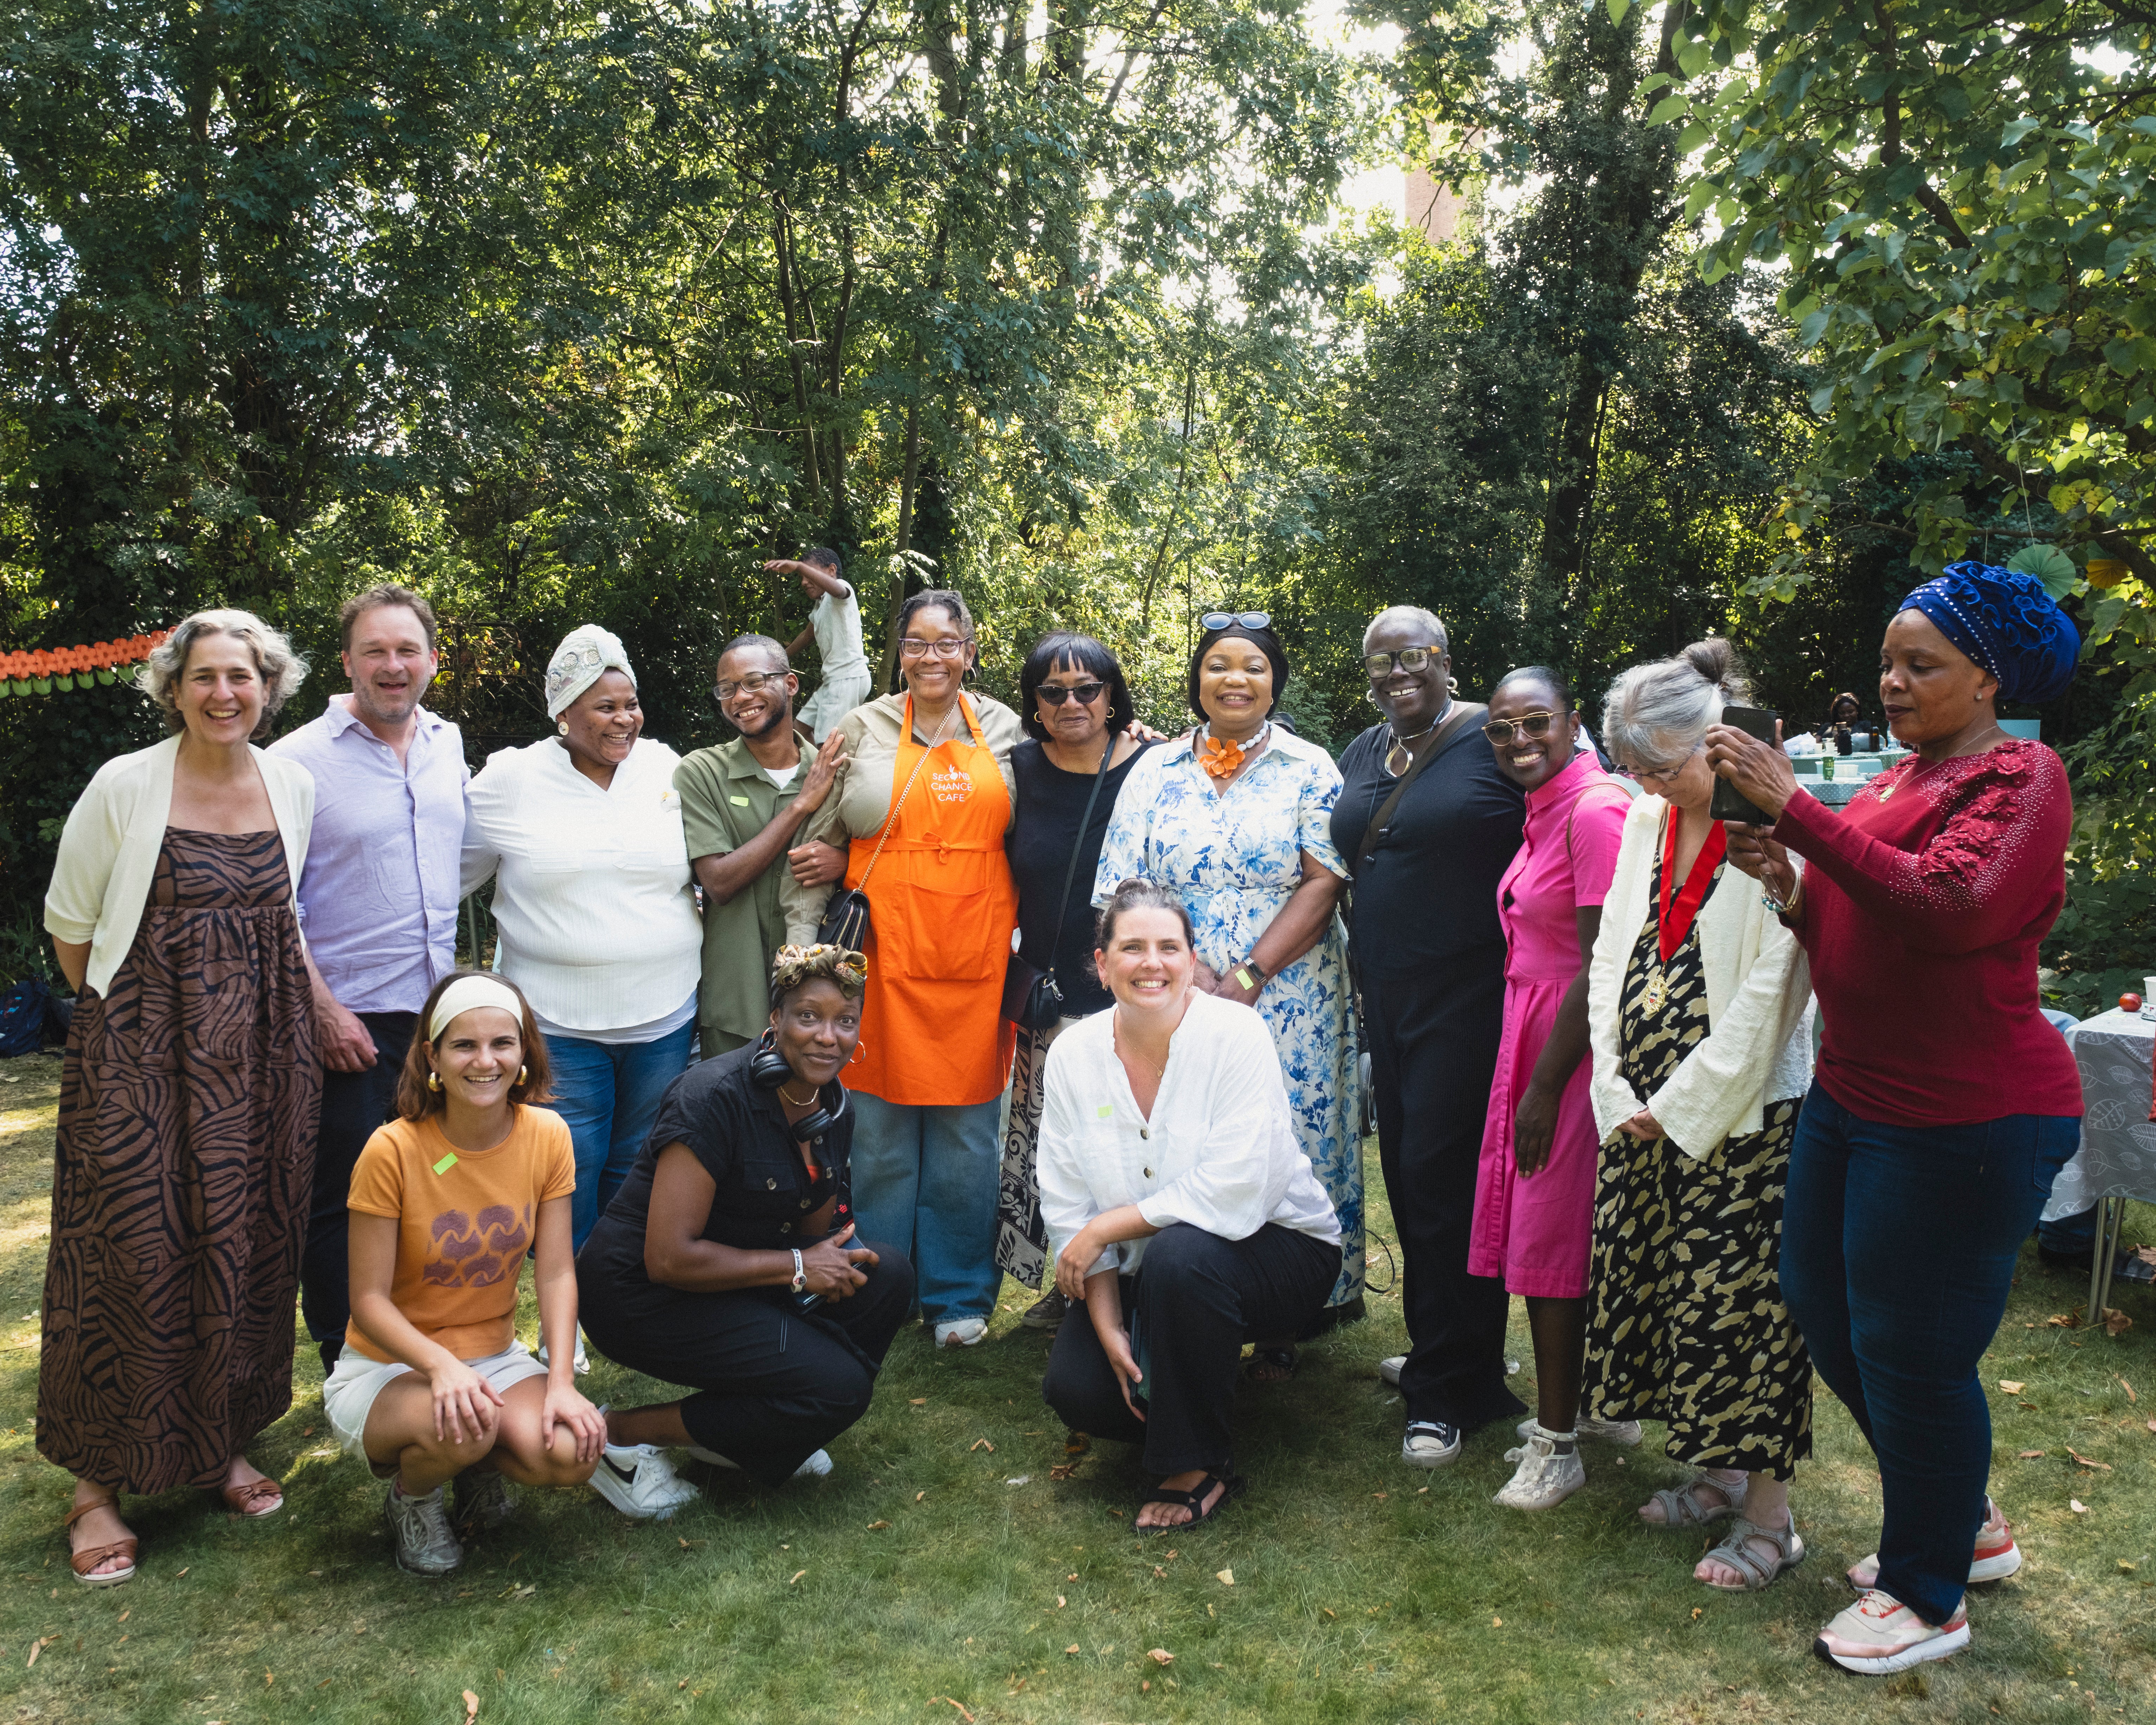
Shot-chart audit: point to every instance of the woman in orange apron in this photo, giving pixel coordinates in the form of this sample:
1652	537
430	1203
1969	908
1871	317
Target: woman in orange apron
922	807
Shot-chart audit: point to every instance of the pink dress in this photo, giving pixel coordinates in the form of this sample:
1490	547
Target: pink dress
1537	1233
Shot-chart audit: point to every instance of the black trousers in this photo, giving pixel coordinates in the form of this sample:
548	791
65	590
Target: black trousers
353	1105
1433	1058
773	1387
1197	1299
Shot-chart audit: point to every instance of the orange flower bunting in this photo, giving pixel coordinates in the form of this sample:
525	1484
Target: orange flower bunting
36	671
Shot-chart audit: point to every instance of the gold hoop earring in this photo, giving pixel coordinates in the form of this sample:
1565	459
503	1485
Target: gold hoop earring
523	1076
434	1082
860	1049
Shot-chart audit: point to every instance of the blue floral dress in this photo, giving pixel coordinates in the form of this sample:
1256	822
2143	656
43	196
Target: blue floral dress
1236	858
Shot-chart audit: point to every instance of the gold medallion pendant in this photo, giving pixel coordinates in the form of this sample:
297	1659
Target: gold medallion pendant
1657	991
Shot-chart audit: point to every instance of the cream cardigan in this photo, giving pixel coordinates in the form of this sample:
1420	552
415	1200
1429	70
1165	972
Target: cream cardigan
108	853
1758	1048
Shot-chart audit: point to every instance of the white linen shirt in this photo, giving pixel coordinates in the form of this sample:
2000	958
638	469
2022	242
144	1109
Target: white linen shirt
1218	1152
598	925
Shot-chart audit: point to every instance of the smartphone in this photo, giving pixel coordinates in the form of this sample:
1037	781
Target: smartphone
1729	803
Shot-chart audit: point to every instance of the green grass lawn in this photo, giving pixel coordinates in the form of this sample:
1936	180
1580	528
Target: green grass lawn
941	1573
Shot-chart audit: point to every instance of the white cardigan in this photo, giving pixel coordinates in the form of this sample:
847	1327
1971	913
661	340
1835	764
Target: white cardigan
1758	1048
598	923
1218	1150
108	853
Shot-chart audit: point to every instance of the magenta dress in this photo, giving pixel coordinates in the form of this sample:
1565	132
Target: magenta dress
1537	1234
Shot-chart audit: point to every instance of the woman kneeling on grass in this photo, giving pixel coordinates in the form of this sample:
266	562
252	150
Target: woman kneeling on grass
729	1260
1173	1189
446	1199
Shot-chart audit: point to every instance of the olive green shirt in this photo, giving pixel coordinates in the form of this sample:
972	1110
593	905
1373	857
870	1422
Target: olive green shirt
726	800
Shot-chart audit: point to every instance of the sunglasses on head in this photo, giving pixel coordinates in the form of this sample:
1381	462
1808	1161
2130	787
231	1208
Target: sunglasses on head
1085	693
1500	730
1213	620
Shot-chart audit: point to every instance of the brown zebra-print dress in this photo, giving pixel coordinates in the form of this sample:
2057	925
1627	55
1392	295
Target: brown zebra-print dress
182	1178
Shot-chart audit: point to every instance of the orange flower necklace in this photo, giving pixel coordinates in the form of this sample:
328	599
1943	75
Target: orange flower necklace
1224	760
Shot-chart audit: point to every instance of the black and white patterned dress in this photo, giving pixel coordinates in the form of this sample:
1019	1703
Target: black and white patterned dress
1686	1322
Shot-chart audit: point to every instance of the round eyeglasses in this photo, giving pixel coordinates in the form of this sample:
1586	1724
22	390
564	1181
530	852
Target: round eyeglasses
950	647
753	684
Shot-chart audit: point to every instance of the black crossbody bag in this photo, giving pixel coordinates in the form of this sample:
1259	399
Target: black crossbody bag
1032	999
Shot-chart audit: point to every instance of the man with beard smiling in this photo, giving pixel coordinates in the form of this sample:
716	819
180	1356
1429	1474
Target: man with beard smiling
377	902
742	804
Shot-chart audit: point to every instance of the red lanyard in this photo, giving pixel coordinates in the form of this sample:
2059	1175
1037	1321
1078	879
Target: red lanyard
1675	920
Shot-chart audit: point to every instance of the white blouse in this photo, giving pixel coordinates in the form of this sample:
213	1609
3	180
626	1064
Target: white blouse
598	923
1218	1152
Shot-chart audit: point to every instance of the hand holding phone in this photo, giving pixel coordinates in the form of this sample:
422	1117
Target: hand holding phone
1731	803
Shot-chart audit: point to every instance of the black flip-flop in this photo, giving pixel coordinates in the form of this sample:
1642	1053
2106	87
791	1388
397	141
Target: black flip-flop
1194	1499
1280	1356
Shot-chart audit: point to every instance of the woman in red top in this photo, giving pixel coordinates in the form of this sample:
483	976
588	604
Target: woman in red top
1944	1103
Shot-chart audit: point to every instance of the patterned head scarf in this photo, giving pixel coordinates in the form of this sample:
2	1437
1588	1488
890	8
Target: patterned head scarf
796	965
2007	622
586	652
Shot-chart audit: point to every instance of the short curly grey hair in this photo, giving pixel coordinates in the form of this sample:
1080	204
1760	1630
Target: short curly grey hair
282	669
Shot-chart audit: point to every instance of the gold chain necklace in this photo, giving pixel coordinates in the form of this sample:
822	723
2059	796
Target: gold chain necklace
797	1101
1159	1072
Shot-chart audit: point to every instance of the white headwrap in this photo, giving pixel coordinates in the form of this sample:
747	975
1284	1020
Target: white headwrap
467	992
585	652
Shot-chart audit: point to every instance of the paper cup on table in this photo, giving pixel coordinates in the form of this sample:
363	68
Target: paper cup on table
2149	997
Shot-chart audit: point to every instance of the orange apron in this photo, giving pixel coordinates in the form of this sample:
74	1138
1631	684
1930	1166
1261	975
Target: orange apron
942	906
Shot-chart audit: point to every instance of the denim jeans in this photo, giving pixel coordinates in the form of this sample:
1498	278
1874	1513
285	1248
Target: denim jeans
608	1093
1898	1247
925	1179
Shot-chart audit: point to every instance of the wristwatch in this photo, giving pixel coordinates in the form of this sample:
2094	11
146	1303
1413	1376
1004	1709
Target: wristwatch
800	1275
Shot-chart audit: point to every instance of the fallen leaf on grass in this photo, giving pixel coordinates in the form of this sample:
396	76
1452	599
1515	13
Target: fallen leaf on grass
878	1526
125	1615
2116	1323
1328	1611
922	1401
2085	1462
308	1432
268	1678
1696	1614
918	1496
2131	1397
2012	1386
1226	1578
2127	1567
2152	1425
2077	1506
1381	1495
471	1706
1160	1656
1063	1470
1118	1515
1077	1444
184	1572
1159	1573
2063	1321
1072	1648
2032	1455
686	1544
1497	1623
37	1647
1059	1602
947	1702
796	1576
981	1444
1019	1479
514	1591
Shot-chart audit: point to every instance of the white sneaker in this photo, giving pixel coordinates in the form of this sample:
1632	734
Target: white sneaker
425	1546
1431	1443
1996	1556
1391	1370
1625	1432
815	1468
962	1332
1545	1478
581	1363
1879	1634
637	1480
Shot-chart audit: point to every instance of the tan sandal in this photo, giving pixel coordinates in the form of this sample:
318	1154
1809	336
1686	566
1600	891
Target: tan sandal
244	1498
1737	1552
1685	1507
82	1562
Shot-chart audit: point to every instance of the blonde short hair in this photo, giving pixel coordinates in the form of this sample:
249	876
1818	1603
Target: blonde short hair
281	669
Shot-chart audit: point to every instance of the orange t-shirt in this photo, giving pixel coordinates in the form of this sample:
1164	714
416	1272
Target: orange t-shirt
465	1219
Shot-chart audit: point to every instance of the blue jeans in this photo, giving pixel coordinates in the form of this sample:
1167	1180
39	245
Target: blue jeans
925	1179
1898	1247
608	1092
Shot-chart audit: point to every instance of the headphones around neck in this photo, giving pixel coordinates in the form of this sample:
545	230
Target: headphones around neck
769	1069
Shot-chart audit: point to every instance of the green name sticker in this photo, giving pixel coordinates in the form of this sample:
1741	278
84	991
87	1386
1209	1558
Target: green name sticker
739	802
1107	1110
446	1163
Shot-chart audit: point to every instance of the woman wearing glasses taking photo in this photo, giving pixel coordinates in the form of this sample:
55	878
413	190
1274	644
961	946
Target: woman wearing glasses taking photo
1236	819
922	809
1078	751
1431	824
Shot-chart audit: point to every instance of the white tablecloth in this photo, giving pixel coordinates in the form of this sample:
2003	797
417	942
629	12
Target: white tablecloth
2118	1154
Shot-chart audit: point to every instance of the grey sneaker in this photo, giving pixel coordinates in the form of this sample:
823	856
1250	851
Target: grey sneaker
425	1546
483	1502
1047	1312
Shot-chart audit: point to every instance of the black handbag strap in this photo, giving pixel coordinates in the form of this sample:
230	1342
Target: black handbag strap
1456	722
1078	850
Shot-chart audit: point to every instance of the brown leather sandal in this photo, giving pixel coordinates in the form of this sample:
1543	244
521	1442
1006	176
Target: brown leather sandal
243	1498
82	1562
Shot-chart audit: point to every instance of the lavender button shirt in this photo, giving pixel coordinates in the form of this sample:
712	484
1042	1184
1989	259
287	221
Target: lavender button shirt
378	900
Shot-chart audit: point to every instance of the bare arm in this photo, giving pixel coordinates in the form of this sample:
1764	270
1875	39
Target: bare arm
1077	1260
819	577
555	1282
1300	925
801	640
725	873
677	1256
465	1402
346	1044
1103	1296
1534	1119
74	960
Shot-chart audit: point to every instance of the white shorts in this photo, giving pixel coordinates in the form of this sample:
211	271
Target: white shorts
349	1392
838	696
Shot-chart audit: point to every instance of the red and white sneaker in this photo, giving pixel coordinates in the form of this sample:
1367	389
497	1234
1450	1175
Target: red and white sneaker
1996	1556
1879	1634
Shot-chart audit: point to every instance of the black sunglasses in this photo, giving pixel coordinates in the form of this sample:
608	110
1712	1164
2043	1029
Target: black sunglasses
1085	693
1213	620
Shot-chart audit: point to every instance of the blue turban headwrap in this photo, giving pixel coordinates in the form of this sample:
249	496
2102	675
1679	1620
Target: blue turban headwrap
2007	622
